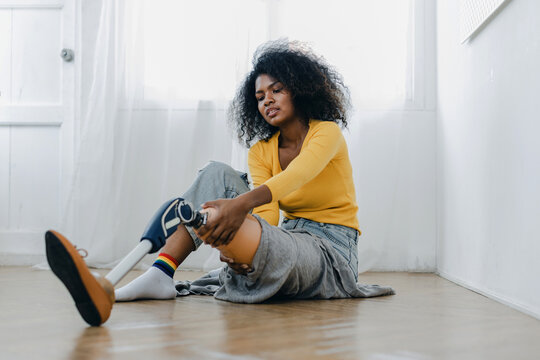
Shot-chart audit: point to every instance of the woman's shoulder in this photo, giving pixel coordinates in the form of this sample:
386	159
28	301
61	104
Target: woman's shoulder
324	124
320	126
262	146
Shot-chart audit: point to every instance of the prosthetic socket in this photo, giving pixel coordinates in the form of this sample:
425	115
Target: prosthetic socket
166	220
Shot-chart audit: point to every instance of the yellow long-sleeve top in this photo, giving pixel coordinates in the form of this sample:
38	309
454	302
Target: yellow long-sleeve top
316	185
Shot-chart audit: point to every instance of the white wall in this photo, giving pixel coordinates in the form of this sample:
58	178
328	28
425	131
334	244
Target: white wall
488	124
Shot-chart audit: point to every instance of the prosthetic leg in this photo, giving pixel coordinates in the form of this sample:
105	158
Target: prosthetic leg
93	294
163	224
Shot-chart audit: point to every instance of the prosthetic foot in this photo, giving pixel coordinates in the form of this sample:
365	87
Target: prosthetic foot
93	295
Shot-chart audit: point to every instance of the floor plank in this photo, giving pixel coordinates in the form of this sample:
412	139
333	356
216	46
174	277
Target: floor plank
429	318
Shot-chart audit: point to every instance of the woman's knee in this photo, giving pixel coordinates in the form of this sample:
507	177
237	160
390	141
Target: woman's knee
218	170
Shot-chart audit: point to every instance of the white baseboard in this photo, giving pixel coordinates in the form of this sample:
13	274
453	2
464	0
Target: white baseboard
21	248
10	259
501	299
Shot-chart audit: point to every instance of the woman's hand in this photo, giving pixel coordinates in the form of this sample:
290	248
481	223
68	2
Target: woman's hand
225	218
241	269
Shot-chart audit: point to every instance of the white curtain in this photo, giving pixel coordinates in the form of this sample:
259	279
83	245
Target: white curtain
163	73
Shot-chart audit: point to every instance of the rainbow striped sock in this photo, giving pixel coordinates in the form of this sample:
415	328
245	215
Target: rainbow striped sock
166	263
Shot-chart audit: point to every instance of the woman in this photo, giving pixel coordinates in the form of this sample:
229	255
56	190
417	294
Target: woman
291	105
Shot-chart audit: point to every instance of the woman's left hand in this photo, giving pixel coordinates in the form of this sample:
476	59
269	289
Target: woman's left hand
241	269
226	219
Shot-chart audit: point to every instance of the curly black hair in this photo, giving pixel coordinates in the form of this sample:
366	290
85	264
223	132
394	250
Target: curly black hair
317	89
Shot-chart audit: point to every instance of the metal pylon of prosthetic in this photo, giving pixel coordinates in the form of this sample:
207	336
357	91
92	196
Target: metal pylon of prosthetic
164	223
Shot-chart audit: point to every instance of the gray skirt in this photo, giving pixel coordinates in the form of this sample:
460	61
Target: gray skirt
302	259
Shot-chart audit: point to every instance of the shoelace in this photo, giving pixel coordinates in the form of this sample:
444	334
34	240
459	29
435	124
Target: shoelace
81	251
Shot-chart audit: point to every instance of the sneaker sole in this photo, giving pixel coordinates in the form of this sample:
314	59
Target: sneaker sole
92	300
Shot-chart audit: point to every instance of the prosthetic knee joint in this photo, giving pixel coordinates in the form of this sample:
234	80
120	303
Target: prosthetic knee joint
166	220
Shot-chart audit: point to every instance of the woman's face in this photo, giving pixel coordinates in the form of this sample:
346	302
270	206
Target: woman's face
274	101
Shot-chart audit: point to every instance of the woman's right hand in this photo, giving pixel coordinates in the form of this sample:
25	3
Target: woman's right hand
224	219
229	214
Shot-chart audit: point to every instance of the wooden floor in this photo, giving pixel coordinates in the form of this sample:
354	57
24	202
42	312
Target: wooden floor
429	318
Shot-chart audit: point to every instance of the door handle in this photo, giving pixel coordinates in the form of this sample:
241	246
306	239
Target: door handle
67	55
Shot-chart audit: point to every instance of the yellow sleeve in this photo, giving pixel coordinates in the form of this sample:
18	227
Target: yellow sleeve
321	147
260	172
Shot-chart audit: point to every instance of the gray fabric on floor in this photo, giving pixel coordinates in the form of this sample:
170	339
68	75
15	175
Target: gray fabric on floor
288	263
206	285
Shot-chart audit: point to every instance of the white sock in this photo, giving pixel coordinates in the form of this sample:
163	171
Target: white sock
153	284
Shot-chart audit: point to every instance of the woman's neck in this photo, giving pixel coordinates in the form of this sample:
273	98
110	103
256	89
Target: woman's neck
293	134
